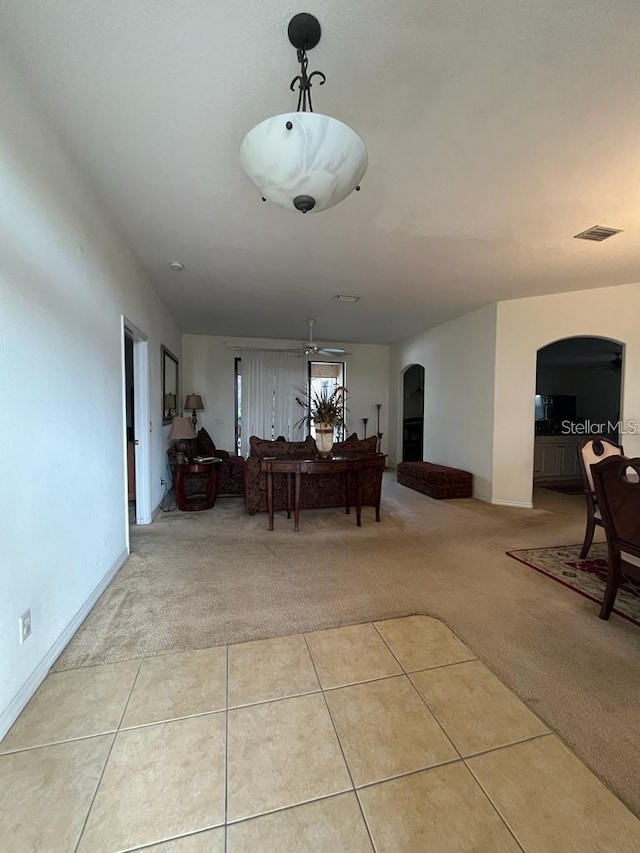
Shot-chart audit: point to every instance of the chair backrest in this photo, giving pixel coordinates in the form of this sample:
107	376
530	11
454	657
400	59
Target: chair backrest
617	486
593	450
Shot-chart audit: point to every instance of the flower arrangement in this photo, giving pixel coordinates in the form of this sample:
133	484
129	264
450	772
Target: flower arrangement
323	407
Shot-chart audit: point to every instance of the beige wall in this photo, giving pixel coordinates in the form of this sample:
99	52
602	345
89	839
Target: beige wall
459	362
525	325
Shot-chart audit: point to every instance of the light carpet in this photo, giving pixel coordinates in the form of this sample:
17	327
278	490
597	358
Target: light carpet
205	579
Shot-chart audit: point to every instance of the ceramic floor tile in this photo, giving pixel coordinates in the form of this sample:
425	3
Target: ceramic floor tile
75	703
552	802
420	642
160	782
282	754
386	729
211	841
178	685
475	708
334	824
441	810
350	655
270	669
47	792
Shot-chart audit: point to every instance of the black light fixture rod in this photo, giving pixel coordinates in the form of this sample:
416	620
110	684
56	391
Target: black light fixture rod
304	34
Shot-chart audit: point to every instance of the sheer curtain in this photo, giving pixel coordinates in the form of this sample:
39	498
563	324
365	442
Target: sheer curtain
270	382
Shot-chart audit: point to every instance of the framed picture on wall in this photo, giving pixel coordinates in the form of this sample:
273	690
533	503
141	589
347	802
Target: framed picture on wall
169	385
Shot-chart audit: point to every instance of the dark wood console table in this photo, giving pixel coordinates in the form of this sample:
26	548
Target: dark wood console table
202	499
350	466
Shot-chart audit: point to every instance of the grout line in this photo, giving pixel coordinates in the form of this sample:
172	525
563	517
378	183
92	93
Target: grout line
507	745
273	699
280	809
405	773
429	708
113	743
226	757
496	809
344	757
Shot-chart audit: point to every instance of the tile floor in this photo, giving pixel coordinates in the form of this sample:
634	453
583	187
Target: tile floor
389	736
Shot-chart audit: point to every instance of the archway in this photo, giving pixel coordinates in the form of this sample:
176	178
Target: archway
578	394
413	413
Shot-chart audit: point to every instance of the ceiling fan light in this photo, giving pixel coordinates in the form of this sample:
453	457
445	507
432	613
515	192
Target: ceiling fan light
306	155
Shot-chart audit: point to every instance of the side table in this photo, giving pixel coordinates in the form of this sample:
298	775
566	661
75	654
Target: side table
203	498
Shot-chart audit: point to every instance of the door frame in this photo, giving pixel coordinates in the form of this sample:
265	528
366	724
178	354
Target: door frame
142	422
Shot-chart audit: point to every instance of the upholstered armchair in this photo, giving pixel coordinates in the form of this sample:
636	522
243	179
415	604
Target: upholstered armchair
231	471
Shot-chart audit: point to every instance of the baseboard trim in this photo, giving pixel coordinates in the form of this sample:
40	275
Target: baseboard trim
10	714
519	504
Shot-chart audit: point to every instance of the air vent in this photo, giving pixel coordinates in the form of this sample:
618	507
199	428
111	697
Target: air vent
342	298
597	233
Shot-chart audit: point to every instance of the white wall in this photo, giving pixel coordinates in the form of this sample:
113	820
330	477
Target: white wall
525	325
66	278
208	369
459	362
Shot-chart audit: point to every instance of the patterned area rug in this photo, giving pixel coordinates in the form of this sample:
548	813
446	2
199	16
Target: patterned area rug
588	577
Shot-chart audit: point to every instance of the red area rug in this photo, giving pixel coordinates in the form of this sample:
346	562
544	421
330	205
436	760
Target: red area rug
588	577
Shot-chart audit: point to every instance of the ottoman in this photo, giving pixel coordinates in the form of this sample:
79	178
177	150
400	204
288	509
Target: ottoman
437	481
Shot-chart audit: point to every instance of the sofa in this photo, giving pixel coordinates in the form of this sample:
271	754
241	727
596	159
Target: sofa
316	490
230	472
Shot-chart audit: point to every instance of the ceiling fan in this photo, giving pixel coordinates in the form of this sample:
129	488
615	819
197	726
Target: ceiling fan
614	364
311	348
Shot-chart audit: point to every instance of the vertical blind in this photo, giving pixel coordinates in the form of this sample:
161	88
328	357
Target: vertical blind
270	382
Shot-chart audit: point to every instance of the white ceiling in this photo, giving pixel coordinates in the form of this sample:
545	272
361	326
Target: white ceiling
496	129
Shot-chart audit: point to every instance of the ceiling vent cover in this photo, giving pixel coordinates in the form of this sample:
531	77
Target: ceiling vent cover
597	233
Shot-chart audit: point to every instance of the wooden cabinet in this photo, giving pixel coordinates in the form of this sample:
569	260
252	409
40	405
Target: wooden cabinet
556	457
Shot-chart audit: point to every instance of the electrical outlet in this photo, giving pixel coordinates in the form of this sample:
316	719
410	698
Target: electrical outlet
25	625
163	482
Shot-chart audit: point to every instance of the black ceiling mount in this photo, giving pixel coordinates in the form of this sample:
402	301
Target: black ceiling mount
304	31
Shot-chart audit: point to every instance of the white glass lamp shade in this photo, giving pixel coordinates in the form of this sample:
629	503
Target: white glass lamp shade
318	157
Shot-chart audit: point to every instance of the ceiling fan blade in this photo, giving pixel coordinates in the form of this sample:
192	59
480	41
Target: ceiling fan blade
332	351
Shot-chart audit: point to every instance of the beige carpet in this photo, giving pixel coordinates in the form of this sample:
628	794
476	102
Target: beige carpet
203	579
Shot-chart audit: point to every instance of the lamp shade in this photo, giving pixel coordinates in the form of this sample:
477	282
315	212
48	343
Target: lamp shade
193	401
304	154
182	428
169	401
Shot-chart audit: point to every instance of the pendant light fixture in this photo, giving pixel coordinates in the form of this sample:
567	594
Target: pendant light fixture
304	160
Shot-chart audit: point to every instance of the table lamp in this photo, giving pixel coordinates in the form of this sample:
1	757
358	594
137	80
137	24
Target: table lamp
169	405
194	402
181	431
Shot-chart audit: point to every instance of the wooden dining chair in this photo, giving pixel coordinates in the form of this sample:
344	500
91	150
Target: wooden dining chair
590	451
617	485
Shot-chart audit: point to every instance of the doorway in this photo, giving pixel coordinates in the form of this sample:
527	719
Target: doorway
136	423
413	414
130	425
578	396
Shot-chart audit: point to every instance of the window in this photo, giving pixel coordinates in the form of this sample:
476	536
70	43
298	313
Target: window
238	404
327	376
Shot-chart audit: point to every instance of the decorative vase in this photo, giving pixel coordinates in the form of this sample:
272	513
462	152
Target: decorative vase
324	439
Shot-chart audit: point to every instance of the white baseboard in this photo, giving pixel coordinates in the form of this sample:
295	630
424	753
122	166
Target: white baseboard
520	504
10	714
